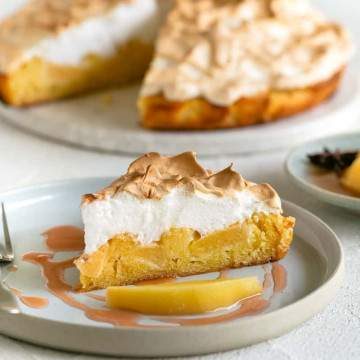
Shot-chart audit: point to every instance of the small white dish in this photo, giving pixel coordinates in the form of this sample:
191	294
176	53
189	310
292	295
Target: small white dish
323	185
108	121
314	269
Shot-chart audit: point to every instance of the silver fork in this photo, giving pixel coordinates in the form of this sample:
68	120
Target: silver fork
7	299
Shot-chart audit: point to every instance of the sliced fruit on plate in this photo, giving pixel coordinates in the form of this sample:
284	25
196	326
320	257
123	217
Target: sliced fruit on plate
351	177
182	298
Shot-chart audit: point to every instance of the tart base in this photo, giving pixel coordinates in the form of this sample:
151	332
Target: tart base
182	252
38	81
159	113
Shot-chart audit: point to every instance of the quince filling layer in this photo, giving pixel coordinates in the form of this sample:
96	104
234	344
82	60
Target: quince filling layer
38	80
182	251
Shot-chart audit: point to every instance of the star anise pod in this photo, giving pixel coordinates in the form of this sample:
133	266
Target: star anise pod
333	160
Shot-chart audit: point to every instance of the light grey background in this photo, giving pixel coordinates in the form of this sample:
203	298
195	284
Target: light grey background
333	334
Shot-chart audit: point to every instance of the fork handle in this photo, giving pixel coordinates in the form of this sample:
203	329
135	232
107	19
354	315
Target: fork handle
7	300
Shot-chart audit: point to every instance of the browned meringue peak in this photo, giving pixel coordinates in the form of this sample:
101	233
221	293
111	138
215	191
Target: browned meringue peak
39	19
152	176
224	50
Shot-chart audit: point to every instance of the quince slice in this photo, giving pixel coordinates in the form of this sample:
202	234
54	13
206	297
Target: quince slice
182	298
351	177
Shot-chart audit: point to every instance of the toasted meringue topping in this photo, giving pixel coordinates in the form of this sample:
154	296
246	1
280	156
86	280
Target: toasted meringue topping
223	50
159	193
153	176
64	31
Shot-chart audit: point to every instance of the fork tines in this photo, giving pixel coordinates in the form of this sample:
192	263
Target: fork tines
8	256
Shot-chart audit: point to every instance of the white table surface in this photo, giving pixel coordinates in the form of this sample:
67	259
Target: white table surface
332	334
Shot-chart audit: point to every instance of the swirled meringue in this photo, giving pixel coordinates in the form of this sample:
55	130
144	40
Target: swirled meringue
226	50
158	193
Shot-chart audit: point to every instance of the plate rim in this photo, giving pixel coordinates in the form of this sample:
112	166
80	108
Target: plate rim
324	194
328	288
284	202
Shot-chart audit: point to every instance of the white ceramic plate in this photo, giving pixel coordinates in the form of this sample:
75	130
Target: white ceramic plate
323	185
108	121
314	268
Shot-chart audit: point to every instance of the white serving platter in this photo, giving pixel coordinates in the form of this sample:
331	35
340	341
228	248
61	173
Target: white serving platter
108	121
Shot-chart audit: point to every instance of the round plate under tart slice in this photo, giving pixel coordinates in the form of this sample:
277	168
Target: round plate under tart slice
322	184
295	289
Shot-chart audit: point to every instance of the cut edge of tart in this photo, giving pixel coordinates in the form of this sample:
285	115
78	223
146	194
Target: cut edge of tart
74	47
168	217
38	80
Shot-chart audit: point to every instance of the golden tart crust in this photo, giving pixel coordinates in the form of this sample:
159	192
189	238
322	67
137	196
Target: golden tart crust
157	112
182	252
